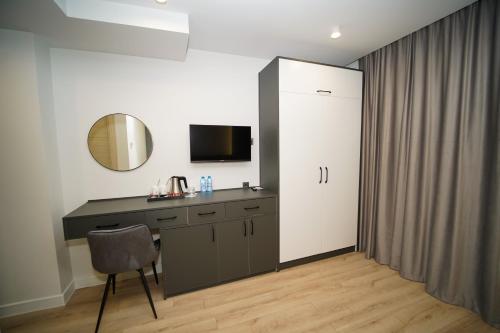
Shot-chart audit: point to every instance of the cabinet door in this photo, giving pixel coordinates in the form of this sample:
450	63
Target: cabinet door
301	149
263	244
308	78
232	239
189	258
341	131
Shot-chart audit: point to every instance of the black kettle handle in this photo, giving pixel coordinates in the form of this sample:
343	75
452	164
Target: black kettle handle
185	181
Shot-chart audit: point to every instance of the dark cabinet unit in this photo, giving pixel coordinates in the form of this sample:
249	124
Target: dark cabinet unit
206	240
190	257
241	247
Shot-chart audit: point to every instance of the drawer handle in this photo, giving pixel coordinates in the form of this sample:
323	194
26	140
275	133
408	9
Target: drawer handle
252	208
324	91
107	226
166	218
204	214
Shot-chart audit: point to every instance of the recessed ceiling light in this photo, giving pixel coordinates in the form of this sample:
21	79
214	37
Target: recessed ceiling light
336	32
161	1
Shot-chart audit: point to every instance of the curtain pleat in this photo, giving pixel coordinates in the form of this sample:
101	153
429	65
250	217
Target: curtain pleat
430	169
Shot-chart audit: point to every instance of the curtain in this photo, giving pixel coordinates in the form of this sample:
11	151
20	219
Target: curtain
430	169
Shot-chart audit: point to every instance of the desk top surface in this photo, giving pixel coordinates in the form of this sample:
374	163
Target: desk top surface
134	204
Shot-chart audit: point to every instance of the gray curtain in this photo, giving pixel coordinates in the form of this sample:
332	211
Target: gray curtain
430	202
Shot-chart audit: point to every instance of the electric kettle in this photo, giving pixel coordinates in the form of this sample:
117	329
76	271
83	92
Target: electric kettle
174	187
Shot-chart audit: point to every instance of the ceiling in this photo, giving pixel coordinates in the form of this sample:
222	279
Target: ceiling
102	26
301	28
256	28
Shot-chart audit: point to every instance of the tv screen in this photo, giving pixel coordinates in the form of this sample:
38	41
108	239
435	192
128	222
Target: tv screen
215	143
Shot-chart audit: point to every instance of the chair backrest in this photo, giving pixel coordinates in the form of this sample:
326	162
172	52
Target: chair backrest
121	250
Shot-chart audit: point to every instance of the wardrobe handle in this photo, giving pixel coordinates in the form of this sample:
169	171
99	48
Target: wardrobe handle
320	175
326	180
324	91
213	234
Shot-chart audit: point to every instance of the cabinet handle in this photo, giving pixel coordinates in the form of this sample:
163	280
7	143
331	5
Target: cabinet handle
213	234
323	91
251	227
245	228
320	175
107	226
326	180
166	218
252	208
203	214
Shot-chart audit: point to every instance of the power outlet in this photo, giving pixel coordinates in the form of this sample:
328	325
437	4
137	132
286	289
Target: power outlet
246	184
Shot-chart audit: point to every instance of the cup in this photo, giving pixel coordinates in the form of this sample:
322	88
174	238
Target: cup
163	189
191	192
155	191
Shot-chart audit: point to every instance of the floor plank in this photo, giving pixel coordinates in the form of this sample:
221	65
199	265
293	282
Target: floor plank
342	294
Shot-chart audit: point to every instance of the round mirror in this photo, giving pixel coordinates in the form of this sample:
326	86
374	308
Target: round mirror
120	142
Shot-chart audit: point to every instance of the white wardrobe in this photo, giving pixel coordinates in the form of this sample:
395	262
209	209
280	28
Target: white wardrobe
310	134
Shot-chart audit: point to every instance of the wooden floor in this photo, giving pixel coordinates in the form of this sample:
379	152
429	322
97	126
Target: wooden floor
345	294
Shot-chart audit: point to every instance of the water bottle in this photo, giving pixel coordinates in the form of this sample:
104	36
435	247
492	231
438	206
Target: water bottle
203	184
209	184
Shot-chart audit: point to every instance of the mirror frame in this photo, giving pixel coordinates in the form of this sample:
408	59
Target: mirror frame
125	114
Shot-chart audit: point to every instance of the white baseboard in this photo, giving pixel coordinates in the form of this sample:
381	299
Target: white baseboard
68	292
36	304
54	301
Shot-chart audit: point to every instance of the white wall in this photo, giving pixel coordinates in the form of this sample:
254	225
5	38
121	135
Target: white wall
52	164
208	88
34	260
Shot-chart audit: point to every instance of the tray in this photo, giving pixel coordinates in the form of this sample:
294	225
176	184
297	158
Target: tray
163	197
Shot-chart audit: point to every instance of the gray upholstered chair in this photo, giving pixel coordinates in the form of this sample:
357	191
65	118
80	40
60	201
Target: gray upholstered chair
122	250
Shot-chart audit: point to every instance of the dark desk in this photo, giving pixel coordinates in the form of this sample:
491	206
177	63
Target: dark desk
209	239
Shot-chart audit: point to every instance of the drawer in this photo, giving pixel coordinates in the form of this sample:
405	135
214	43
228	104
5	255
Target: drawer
79	227
165	218
250	207
206	213
308	78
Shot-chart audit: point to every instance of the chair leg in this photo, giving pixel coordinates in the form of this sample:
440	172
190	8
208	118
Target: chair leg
114	282
154	271
103	302
146	288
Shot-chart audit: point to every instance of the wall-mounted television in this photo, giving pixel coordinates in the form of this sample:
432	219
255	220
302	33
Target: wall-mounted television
217	143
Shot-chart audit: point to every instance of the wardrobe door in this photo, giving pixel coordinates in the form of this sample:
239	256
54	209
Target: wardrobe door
308	78
300	149
341	132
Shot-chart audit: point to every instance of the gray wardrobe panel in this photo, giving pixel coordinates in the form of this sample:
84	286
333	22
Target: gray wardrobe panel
268	126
